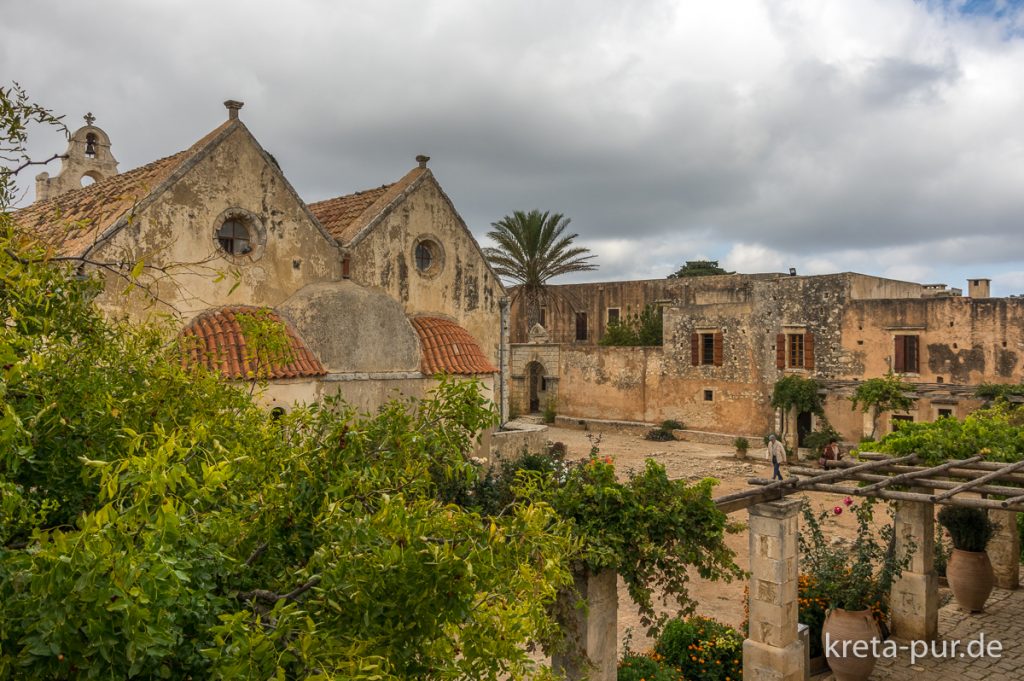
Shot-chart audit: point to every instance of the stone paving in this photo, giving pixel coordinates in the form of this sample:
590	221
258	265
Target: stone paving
1002	620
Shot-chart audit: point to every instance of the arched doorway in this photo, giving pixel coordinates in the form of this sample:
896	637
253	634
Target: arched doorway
535	381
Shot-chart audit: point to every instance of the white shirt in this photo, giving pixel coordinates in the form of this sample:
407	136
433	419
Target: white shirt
775	447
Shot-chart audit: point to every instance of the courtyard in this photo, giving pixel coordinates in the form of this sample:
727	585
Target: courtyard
725	601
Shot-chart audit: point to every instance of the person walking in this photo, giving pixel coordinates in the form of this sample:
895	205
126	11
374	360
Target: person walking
776	454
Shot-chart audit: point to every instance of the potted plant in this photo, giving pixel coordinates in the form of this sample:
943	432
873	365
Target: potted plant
969	570
742	444
854	580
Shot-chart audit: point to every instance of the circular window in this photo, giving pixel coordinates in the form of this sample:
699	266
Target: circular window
424	256
239	235
428	256
233	237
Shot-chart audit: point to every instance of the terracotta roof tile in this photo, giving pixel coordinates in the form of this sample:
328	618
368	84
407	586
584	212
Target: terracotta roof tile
346	216
216	340
71	222
449	349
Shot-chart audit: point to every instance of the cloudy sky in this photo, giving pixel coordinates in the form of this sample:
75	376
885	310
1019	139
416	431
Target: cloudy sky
879	136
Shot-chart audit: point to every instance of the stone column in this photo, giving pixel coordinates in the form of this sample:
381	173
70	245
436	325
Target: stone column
914	598
592	629
774	651
1004	549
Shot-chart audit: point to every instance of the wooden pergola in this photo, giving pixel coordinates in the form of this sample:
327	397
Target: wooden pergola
774	648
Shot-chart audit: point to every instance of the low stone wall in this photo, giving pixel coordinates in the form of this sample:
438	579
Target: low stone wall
515	437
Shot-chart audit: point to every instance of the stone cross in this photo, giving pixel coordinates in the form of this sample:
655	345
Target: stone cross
89	118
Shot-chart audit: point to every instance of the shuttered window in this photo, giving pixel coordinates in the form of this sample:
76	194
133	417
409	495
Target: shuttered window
906	356
794	350
706	348
581	326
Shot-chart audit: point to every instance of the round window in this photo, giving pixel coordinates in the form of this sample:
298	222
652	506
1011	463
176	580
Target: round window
233	237
424	256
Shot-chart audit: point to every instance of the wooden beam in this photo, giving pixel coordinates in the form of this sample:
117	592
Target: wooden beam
1007	468
911	496
972	472
919	482
925	472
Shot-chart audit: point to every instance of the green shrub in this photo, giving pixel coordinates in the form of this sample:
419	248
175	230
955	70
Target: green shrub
942	551
549	411
635	667
822	436
659	435
741	444
671	424
701	648
969	528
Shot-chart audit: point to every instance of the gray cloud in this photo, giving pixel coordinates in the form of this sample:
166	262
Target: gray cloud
880	136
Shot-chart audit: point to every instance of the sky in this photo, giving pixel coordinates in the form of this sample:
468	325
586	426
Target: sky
876	136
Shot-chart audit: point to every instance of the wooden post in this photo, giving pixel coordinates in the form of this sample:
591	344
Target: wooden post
774	651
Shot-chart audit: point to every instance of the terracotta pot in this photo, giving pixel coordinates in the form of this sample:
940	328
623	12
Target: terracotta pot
970	578
843	629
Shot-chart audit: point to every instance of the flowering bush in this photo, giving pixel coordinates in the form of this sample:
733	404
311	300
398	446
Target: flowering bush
854	577
701	648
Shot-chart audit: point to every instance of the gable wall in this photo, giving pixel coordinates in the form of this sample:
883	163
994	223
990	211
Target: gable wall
463	288
178	230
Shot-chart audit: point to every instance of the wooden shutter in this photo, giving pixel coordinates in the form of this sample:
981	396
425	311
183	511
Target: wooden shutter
780	351
694	348
899	359
717	352
808	350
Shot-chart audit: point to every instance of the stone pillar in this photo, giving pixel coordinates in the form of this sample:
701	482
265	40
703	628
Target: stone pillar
1004	549
774	651
914	598
592	630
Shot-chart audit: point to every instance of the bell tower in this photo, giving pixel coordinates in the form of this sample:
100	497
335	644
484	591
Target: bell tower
87	158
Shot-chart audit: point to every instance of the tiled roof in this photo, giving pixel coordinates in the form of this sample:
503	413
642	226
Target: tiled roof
71	222
346	216
449	349
216	339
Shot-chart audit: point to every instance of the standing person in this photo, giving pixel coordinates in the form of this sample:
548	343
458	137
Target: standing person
776	453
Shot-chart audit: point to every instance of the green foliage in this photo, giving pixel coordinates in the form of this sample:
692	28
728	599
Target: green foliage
549	411
795	391
532	248
701	648
995	391
649	529
671	424
636	667
997	432
643	329
741	444
851	577
659	435
969	528
818	439
879	395
698	268
156	523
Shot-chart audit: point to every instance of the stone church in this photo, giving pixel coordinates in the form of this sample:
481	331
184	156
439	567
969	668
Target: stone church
379	291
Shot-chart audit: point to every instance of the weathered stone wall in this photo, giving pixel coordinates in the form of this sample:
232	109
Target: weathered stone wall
178	230
546	355
461	287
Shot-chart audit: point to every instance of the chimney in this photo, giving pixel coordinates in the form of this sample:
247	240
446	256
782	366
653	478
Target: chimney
233	106
978	288
422	160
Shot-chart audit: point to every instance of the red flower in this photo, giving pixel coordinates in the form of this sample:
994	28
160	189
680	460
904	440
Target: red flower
838	510
848	501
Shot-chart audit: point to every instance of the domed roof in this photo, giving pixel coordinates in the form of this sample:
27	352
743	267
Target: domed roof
447	348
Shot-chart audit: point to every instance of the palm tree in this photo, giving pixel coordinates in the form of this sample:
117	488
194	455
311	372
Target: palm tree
532	249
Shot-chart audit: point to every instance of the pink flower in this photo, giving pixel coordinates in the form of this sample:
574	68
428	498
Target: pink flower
838	510
848	501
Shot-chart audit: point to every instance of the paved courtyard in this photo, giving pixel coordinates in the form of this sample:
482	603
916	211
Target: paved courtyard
1002	621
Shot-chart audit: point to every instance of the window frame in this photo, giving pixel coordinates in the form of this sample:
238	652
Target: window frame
906	353
582	317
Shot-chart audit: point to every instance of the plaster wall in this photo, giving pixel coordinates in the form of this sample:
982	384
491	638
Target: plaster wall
462	288
178	231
